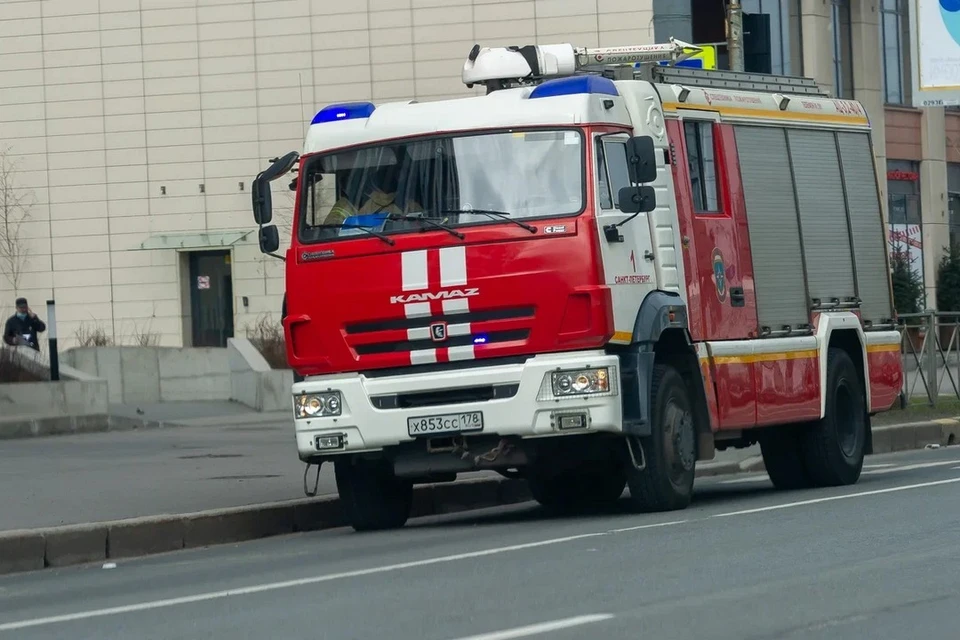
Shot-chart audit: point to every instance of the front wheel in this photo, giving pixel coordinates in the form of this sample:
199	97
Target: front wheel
669	454
372	496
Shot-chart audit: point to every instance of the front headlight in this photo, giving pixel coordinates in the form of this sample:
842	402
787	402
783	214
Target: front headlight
318	405
580	382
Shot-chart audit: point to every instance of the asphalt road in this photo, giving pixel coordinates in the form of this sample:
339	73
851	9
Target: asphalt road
109	476
875	561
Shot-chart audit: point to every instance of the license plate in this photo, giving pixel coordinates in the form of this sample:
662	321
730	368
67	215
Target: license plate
445	423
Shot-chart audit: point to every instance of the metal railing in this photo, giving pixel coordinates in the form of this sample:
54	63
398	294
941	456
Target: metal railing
930	348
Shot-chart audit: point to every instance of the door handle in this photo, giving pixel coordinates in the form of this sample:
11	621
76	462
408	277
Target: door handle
737	297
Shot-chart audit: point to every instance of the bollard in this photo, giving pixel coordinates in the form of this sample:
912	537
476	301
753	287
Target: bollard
52	340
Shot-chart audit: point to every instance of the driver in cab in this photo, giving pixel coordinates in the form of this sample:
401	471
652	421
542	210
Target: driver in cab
381	198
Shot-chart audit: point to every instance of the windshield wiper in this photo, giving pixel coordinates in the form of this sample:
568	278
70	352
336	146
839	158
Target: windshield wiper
503	215
365	228
428	221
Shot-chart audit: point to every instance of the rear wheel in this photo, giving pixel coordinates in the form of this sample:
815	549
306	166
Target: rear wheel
372	496
834	446
670	452
592	486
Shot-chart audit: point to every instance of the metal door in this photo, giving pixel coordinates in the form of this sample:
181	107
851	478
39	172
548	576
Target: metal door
211	298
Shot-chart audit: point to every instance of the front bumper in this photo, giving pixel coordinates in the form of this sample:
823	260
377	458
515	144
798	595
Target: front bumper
368	424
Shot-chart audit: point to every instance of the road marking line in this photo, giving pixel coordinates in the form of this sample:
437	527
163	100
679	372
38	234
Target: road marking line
645	526
543	627
831	499
910	467
289	584
878	466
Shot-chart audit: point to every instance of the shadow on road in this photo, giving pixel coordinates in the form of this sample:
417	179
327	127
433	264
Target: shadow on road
707	496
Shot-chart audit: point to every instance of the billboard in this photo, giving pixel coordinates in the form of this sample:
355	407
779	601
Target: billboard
935	52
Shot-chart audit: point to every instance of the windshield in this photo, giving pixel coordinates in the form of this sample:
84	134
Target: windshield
452	180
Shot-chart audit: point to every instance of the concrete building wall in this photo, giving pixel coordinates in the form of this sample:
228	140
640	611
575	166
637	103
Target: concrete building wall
144	121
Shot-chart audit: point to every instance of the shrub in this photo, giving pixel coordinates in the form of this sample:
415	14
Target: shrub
145	337
948	280
908	292
267	336
95	336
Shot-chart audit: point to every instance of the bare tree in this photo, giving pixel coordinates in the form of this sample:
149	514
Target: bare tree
15	205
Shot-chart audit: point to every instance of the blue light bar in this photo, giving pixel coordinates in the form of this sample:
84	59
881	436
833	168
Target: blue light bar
575	85
344	111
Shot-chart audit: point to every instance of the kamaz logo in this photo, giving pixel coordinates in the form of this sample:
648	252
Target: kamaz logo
427	296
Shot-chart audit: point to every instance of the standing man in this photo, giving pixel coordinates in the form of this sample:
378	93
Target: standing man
24	327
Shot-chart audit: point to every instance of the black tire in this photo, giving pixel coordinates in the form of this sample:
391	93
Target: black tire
783	457
670	452
834	446
372	496
587	488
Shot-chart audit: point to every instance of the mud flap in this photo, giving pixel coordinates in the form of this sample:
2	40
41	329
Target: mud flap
636	372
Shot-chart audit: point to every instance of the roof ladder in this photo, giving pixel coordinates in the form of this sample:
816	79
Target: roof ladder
737	80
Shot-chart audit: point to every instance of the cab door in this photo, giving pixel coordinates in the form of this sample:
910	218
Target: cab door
628	265
713	225
717	257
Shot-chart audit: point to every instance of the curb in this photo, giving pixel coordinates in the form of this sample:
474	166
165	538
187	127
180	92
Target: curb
30	550
27	428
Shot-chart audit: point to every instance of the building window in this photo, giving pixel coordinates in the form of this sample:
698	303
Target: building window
953	189
903	206
893	38
701	158
766	36
842	49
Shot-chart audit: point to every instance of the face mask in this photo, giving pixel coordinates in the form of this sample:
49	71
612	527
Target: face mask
22	316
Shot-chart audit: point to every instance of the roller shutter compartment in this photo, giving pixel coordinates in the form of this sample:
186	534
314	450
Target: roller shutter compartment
823	215
866	224
774	230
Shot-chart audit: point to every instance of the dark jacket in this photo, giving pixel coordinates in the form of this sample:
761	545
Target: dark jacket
15	328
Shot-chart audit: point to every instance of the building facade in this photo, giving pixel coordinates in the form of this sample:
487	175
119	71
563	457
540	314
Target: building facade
135	127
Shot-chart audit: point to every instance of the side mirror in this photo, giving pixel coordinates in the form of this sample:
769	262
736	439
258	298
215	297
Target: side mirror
641	159
262	201
637	199
269	239
280	166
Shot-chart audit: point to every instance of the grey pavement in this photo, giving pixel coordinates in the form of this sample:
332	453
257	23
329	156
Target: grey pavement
874	562
110	476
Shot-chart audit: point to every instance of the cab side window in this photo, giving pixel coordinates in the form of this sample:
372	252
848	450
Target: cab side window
612	173
701	158
603	184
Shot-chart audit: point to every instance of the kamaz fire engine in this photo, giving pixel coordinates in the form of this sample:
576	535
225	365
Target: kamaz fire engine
600	272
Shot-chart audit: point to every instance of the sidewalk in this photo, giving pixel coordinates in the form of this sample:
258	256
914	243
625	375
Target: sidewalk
111	476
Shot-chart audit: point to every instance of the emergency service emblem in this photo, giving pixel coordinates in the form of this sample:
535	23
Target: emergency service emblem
719	275
438	331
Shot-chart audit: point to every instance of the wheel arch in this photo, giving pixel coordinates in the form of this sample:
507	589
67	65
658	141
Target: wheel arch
843	331
661	336
283	314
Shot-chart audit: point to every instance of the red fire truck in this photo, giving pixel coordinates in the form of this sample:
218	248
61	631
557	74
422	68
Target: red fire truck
593	276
